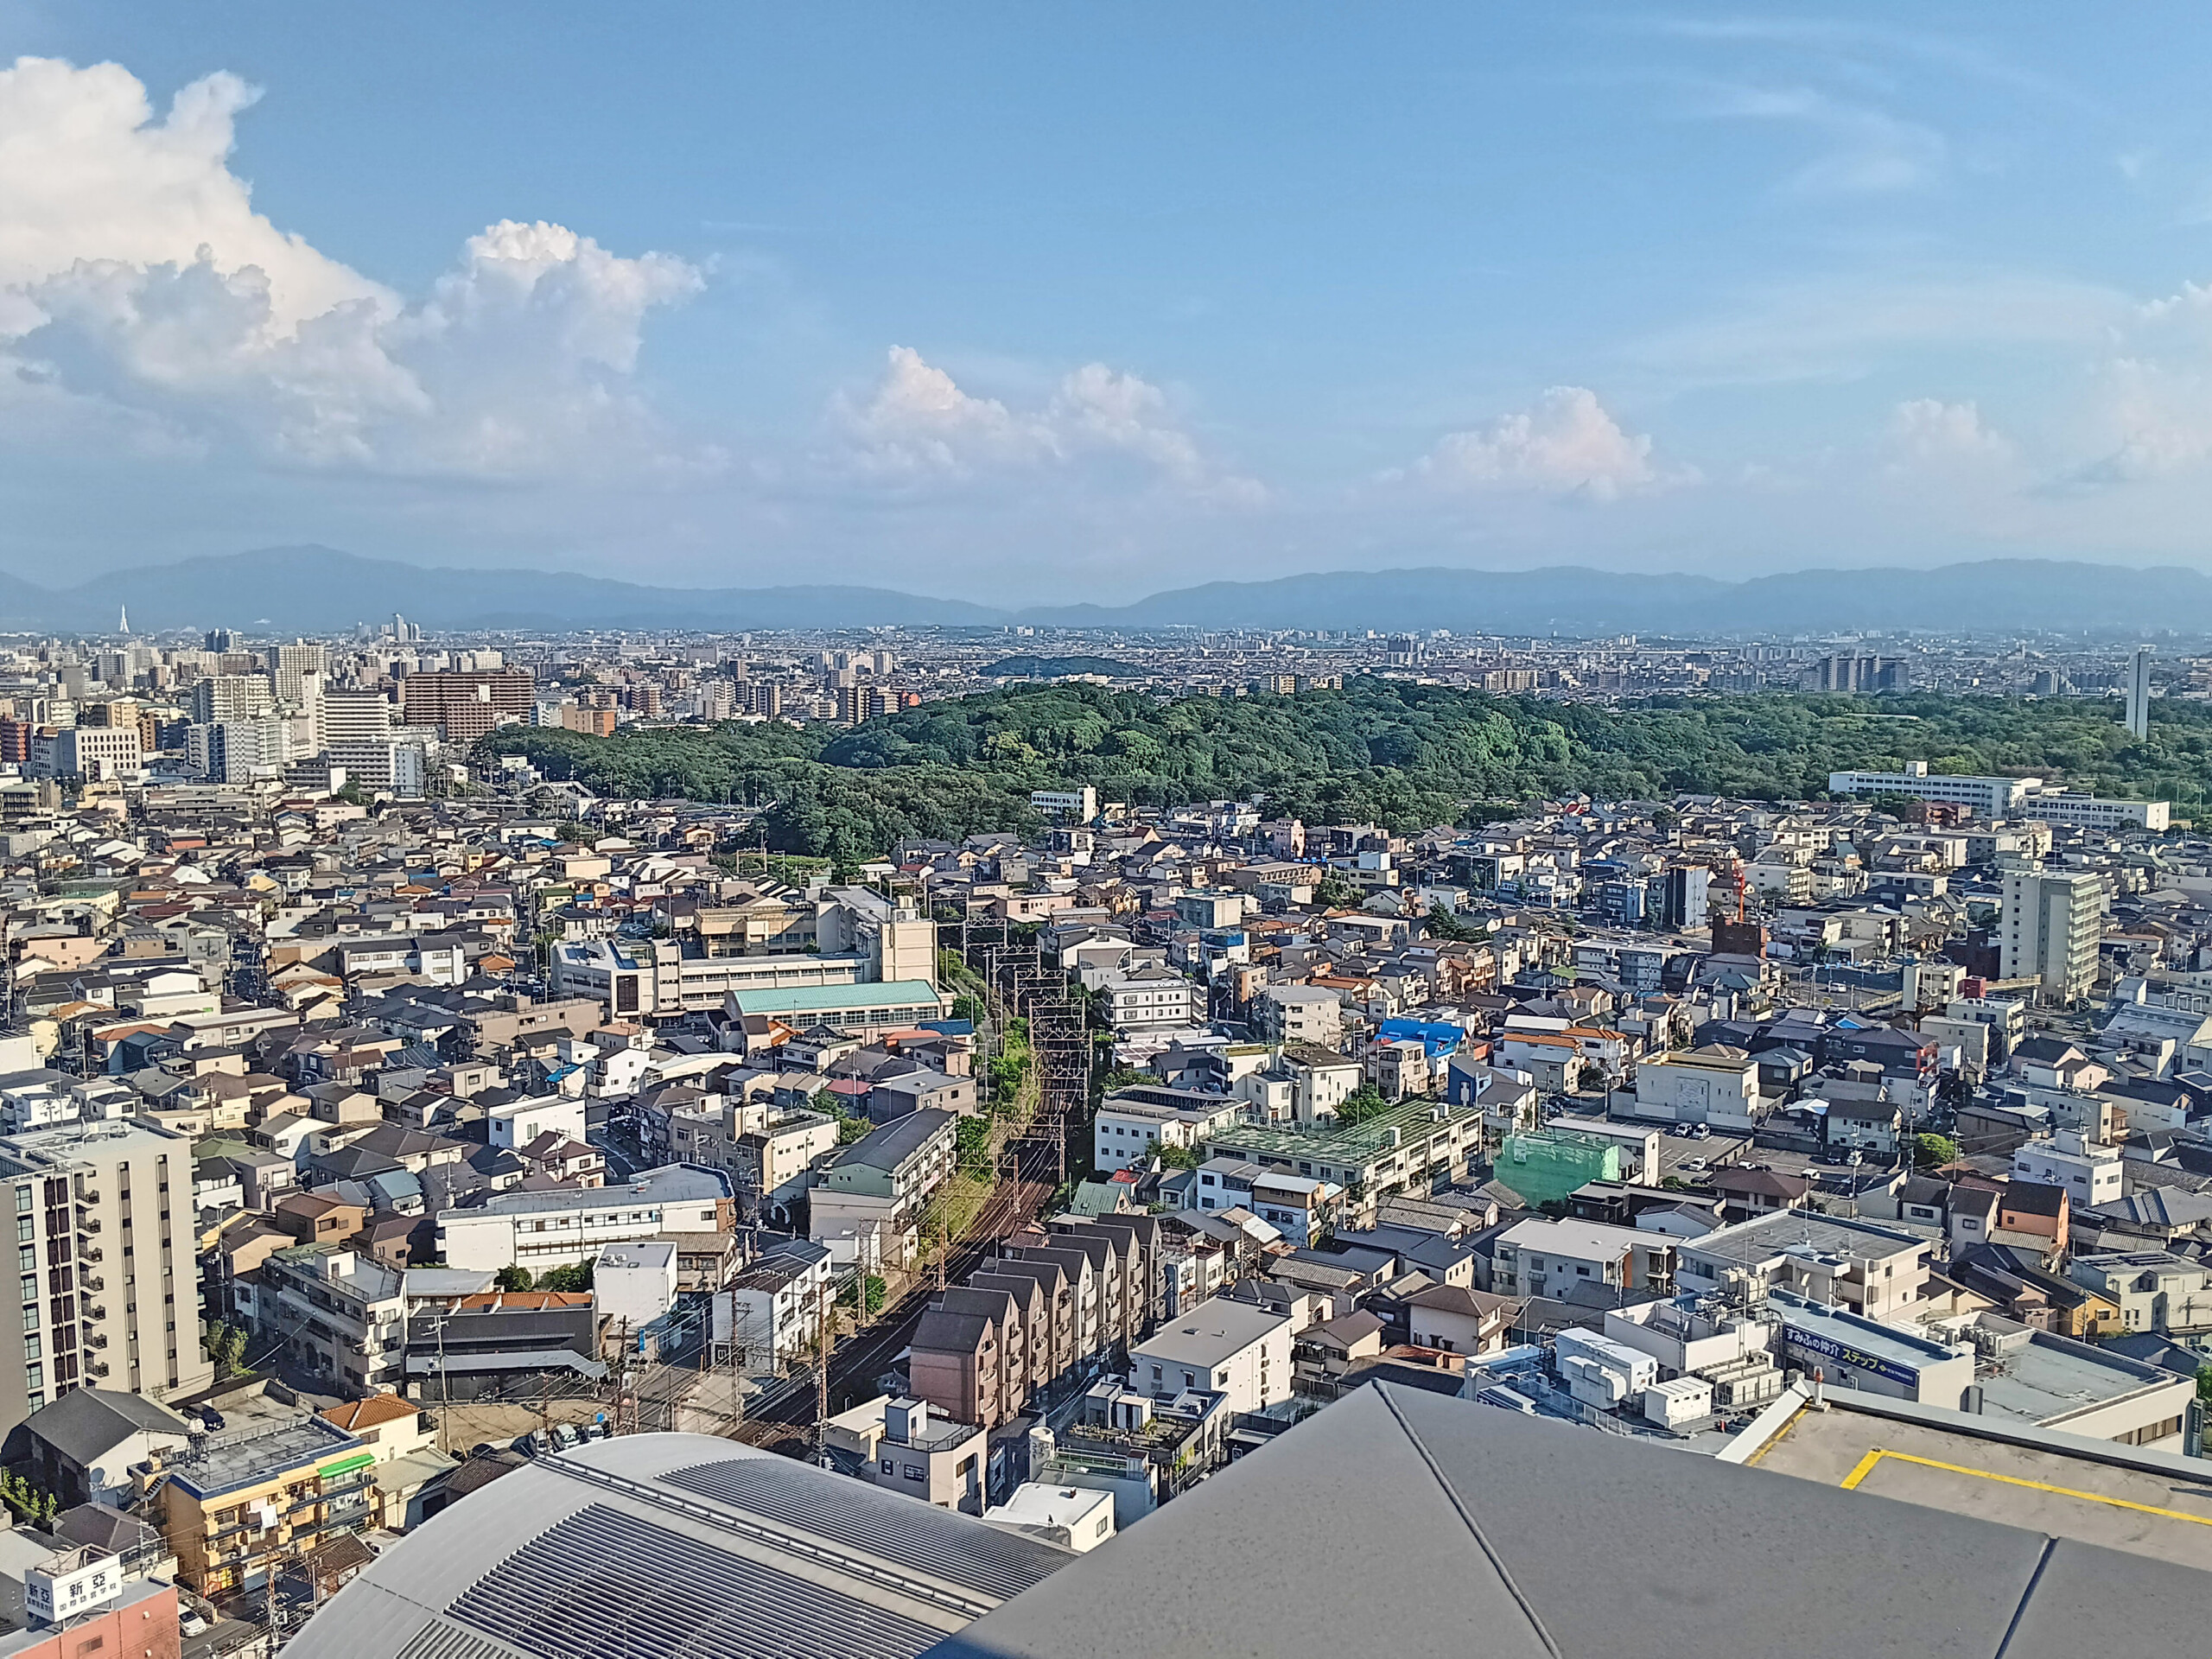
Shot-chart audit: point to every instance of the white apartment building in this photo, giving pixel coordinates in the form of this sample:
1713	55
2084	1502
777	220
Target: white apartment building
771	1312
1549	1258
2090	1172
338	1313
1239	1349
563	1226
1132	1126
1298	1014
1152	998
1873	1271
2052	924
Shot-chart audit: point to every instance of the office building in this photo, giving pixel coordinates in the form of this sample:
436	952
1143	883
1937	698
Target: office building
109	1275
98	754
2051	926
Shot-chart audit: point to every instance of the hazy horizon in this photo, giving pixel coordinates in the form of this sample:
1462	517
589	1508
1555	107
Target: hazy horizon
1034	309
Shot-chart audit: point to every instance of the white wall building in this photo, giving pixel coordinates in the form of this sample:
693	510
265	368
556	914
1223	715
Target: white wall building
1239	1349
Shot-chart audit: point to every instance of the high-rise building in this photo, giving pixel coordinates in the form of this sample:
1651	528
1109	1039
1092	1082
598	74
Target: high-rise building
219	640
2138	694
465	704
232	697
2052	924
238	751
109	1281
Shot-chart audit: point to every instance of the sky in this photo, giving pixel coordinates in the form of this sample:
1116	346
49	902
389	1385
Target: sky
1031	304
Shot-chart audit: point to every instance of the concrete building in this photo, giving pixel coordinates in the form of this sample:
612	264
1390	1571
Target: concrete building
867	1206
2155	1290
1237	1348
2138	694
561	1227
2088	1172
771	1313
901	1446
1298	1014
2051	927
1986	797
1553	1258
1715	1084
1829	1261
272	1480
110	1282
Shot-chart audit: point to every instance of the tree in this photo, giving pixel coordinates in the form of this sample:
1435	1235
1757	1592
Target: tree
1934	1151
514	1278
1177	1157
1363	1102
576	1276
973	1135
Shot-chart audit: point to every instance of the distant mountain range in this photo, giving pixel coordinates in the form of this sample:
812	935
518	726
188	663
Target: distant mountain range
320	589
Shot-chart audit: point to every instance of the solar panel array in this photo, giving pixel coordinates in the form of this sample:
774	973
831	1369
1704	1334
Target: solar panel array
895	1528
604	1584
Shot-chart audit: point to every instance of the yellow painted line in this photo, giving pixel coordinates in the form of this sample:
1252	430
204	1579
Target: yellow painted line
1867	1467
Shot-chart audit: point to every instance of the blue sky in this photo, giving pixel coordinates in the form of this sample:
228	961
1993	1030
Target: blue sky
1028	303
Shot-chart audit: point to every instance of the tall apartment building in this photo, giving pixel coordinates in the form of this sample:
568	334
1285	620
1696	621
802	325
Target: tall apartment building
2138	694
297	672
232	697
238	751
2052	924
359	735
110	1283
465	703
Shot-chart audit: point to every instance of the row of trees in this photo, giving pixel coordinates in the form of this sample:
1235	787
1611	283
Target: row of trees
1404	755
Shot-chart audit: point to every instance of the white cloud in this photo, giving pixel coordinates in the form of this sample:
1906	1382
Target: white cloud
134	275
88	172
1567	445
919	424
1871	151
1927	432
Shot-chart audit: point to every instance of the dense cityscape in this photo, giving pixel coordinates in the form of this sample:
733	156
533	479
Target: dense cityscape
1045	1171
1140	832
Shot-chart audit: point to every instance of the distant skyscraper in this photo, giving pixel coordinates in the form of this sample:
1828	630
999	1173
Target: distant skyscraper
2138	694
123	620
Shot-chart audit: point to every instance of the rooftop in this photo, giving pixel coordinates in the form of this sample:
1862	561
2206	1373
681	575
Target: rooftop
1414	1121
1401	1523
666	1543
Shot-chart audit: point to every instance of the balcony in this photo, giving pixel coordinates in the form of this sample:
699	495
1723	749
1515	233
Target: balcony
88	1224
98	1340
92	1282
95	1312
98	1368
91	1253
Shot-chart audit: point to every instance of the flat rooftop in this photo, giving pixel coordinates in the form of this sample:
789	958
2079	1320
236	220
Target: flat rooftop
2048	1378
2145	1504
1887	1342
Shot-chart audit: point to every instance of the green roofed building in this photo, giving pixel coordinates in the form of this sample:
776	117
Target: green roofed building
1407	1149
1547	1164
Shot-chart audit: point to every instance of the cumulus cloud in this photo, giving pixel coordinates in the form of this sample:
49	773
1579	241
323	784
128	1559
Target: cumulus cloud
135	274
1568	444
919	423
1927	432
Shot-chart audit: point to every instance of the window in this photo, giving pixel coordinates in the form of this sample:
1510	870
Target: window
891	1465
